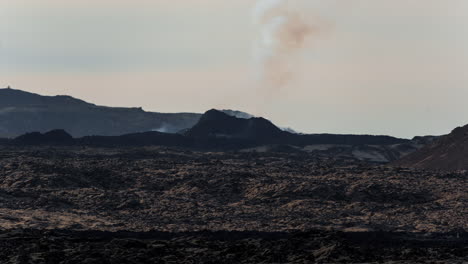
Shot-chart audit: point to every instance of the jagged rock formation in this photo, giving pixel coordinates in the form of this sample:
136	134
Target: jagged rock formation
449	152
22	112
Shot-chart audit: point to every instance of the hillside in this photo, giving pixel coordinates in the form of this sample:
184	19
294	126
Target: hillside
449	152
218	124
22	112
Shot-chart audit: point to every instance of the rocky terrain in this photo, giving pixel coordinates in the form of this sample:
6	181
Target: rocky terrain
448	153
147	189
227	188
62	246
172	190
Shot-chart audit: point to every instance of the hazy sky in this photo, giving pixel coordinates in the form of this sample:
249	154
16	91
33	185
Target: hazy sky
378	66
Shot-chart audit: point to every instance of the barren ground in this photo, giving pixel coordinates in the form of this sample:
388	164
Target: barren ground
168	190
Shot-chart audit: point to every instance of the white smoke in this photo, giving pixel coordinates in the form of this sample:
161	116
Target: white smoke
237	114
164	128
284	28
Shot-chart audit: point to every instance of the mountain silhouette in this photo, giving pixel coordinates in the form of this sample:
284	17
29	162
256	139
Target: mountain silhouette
257	130
22	112
216	129
219	131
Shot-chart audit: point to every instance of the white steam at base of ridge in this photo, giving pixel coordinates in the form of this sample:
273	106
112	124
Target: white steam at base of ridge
237	114
244	115
166	128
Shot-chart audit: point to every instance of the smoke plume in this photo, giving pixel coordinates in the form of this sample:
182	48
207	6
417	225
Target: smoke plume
284	29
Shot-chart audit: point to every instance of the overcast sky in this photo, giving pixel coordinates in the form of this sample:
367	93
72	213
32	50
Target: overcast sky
381	67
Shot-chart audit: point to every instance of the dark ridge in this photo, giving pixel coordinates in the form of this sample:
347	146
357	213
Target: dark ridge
314	139
216	124
137	139
23	112
14	98
215	131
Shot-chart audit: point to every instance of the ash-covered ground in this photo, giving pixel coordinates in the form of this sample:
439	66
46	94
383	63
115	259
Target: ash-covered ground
64	205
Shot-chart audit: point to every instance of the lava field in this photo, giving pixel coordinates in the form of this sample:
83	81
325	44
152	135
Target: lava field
164	205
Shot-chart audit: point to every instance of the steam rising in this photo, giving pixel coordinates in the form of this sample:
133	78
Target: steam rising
283	33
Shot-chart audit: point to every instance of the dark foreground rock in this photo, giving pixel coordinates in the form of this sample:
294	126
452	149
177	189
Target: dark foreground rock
143	189
102	205
34	246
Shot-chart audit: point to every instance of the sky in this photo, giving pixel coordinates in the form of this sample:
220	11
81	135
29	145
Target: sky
373	66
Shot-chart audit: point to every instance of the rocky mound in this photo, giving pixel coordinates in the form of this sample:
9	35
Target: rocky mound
218	124
53	137
449	152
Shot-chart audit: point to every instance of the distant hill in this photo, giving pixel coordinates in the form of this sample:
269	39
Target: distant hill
449	153
28	117
219	131
23	112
